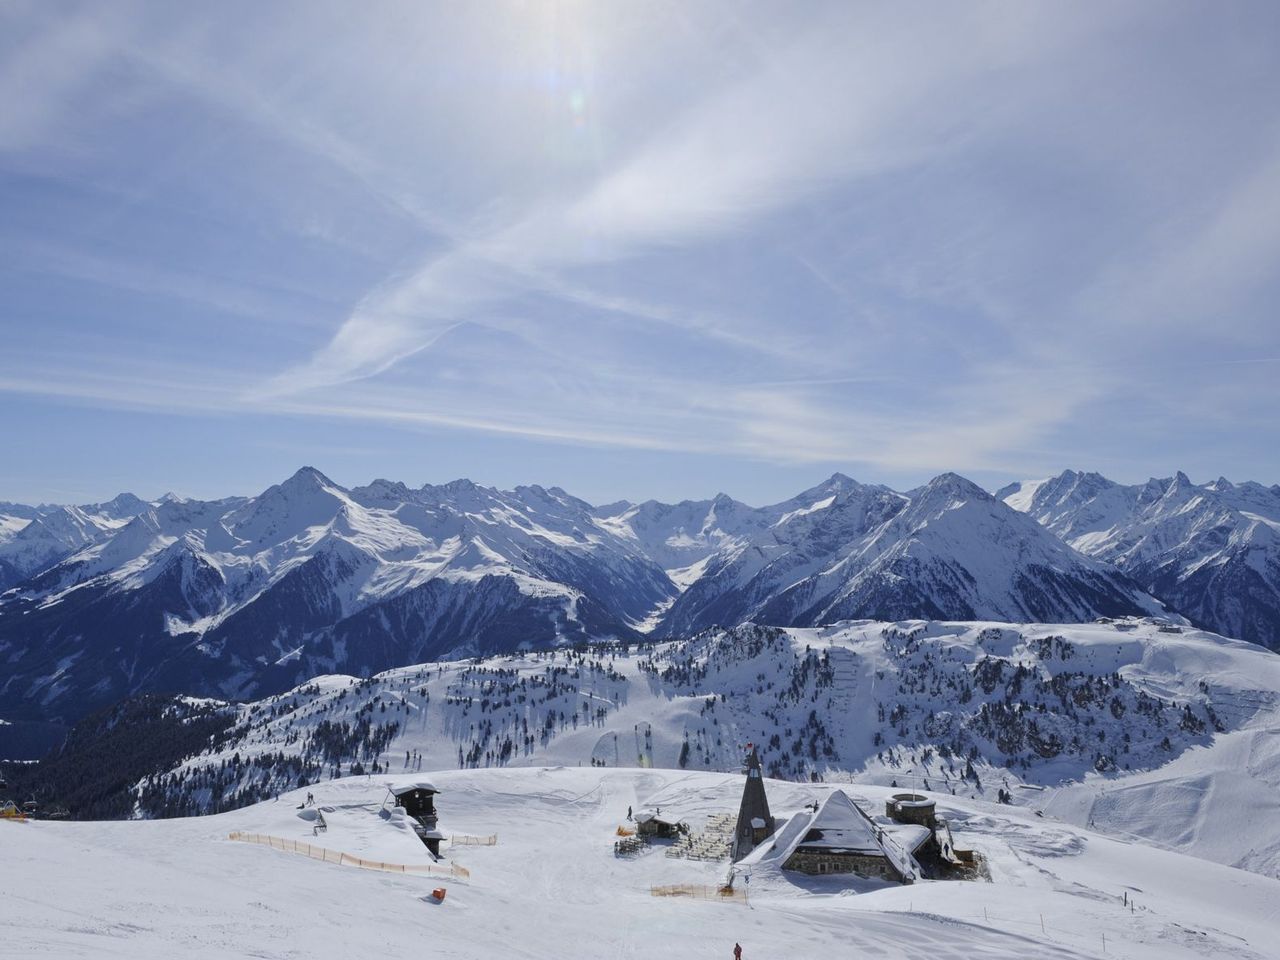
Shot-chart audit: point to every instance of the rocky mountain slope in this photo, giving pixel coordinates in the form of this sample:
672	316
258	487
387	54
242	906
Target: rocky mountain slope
1210	551
249	595
947	550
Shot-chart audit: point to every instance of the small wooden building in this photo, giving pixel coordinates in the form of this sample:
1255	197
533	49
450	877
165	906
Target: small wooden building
417	797
653	823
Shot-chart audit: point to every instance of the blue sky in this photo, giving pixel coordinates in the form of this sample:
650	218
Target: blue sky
635	250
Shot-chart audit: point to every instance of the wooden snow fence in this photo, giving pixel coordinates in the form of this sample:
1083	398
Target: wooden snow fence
462	840
350	860
699	892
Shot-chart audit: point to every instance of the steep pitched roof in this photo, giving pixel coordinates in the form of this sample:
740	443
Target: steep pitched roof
754	808
840	825
644	816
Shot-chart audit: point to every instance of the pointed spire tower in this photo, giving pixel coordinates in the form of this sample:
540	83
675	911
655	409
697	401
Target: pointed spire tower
755	823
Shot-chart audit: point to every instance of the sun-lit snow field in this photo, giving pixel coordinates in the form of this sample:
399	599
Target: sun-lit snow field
552	886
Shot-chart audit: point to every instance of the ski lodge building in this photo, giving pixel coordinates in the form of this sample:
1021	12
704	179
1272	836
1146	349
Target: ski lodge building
837	836
840	838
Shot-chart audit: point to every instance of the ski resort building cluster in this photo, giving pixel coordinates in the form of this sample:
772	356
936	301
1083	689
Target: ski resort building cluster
837	836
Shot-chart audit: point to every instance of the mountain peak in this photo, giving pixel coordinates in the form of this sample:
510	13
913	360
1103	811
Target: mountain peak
1081	485
834	485
382	485
612	509
307	478
954	484
125	501
838	483
461	485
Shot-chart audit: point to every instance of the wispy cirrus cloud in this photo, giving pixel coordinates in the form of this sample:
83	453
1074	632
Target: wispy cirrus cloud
901	239
832	104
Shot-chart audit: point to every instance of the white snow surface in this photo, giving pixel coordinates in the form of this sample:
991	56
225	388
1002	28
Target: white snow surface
10	525
552	887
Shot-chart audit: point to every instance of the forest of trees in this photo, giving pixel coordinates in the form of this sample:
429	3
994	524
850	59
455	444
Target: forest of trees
91	775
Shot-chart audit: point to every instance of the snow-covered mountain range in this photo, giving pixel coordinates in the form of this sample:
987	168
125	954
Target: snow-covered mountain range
33	538
250	595
945	550
1211	551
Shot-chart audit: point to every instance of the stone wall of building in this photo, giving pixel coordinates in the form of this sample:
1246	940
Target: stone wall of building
833	861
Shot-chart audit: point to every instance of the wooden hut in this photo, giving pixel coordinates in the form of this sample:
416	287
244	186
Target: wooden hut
654	823
417	797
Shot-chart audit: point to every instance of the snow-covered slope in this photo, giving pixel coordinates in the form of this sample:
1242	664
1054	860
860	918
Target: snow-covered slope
13	517
1211	551
1071	719
33	538
683	536
551	887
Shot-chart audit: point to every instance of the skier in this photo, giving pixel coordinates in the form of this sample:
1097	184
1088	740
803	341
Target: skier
628	813
737	951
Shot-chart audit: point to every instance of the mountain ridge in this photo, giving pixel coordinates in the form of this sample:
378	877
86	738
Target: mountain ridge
244	596
1212	550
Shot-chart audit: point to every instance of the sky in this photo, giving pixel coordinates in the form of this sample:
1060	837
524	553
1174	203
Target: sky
635	250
